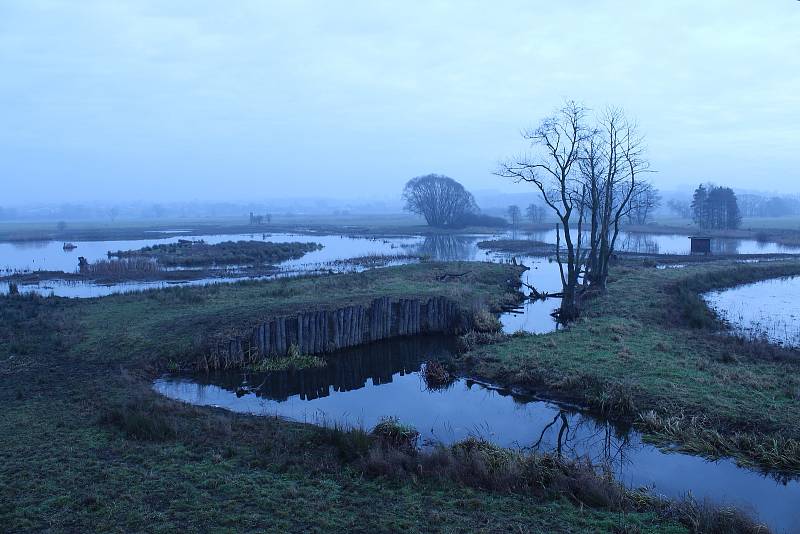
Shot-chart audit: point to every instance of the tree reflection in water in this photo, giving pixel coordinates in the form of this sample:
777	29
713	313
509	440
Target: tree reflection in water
370	369
360	386
448	247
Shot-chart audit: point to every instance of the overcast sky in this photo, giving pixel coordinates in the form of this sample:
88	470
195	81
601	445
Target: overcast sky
209	100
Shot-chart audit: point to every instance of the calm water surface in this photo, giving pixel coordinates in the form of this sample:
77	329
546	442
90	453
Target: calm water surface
49	255
337	250
360	386
336	256
769	309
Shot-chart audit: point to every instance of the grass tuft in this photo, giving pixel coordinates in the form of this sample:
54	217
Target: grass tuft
140	421
392	433
436	375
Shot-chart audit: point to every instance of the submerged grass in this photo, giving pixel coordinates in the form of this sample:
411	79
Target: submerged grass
696	434
394	434
436	375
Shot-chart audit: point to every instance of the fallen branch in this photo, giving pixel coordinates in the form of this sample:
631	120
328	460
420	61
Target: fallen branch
541	295
447	276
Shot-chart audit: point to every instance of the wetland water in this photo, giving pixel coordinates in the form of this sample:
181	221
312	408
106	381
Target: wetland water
769	309
360	386
338	254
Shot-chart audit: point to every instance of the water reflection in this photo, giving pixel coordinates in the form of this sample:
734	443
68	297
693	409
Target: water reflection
731	246
359	386
350	370
638	243
448	247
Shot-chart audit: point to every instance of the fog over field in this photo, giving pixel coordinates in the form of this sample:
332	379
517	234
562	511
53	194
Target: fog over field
210	101
371	266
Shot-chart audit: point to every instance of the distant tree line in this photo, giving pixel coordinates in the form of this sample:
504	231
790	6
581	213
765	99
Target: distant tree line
715	208
260	219
765	206
681	208
750	205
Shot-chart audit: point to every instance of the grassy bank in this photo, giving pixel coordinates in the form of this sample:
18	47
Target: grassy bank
652	352
537	248
197	260
177	322
88	446
187	253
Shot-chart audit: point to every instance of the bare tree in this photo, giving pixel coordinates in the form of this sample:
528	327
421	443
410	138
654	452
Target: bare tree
681	208
612	166
552	167
440	199
586	176
535	213
645	200
514	215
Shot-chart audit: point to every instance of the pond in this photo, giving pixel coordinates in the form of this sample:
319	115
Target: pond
360	386
768	310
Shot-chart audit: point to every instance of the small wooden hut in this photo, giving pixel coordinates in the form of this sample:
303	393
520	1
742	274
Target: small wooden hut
700	244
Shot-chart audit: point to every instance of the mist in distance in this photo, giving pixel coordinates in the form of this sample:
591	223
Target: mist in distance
198	101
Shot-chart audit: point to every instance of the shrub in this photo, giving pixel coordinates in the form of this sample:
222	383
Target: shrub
436	375
472	339
392	433
484	321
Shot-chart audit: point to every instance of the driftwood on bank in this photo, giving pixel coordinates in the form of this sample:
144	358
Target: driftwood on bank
541	295
446	276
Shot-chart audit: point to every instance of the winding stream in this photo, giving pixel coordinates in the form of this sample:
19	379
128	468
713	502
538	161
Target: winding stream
360	386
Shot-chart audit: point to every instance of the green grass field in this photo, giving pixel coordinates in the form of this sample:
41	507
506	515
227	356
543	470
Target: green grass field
651	345
88	446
